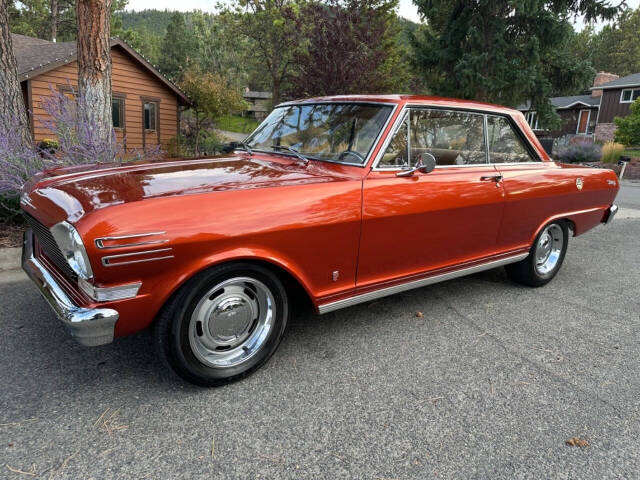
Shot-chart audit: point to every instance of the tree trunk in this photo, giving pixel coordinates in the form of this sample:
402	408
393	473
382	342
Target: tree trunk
54	20
275	85
13	114
94	67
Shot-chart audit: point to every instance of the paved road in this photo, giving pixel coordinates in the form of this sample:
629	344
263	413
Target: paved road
489	383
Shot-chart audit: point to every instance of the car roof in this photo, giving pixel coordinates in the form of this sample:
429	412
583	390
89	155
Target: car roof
410	99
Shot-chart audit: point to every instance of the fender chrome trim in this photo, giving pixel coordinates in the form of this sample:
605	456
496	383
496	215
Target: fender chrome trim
384	292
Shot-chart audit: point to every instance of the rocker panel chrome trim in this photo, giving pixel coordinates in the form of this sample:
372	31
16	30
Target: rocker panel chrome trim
383	292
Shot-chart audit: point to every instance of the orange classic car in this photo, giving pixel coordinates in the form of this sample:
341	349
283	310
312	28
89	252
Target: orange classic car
344	199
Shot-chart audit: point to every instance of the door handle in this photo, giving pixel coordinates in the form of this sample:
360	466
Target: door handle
491	178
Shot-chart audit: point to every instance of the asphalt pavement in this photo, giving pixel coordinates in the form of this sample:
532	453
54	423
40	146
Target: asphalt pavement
489	380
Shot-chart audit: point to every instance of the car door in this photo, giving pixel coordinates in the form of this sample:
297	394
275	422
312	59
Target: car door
534	189
428	221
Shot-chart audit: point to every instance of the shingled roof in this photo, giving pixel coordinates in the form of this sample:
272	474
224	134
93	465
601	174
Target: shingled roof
568	102
632	80
35	56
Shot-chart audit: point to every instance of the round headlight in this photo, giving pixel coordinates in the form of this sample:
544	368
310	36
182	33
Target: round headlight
71	246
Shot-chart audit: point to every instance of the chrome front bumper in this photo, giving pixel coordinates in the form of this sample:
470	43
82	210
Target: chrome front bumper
89	326
611	212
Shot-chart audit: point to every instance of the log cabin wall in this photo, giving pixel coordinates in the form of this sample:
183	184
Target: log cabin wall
131	82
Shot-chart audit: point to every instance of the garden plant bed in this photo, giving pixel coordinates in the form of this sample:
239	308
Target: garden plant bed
11	235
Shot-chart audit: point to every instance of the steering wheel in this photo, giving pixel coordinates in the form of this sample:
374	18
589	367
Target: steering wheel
351	152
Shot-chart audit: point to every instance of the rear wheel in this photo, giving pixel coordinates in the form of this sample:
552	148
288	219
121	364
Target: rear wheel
223	325
545	257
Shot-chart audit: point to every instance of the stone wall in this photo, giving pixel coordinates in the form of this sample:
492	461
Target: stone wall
604	132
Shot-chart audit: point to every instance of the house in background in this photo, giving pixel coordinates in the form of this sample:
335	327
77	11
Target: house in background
146	105
590	116
259	103
616	99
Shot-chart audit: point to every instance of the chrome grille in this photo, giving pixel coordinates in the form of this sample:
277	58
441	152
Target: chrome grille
49	246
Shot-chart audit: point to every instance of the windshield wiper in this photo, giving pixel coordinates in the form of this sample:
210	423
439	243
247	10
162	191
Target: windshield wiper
292	150
244	147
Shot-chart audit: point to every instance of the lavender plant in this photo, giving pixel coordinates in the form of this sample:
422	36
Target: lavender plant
77	143
580	153
18	162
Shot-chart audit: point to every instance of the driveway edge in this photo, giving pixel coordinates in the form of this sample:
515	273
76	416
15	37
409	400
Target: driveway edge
10	258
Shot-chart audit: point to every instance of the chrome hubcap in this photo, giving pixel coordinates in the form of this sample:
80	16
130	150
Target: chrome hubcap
231	322
549	248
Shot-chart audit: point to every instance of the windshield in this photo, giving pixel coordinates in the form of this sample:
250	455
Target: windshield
338	132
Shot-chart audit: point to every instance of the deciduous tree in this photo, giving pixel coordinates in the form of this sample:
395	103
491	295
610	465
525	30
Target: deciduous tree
274	33
352	46
210	97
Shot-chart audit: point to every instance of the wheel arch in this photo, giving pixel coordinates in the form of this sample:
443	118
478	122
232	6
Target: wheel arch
285	272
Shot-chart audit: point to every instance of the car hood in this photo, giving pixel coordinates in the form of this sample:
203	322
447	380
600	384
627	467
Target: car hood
70	193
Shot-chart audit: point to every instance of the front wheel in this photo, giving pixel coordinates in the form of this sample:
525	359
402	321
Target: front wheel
545	257
222	325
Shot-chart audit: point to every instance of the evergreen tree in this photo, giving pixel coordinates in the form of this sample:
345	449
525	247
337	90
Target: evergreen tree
504	51
179	47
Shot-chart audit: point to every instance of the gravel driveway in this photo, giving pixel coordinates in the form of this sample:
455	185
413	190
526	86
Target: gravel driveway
489	382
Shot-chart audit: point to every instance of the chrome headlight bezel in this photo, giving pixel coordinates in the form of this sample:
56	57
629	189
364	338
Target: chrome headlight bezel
72	248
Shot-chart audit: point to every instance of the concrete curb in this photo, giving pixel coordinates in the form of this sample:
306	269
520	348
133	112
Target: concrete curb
10	258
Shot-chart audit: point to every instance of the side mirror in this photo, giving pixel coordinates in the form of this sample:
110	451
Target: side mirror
425	163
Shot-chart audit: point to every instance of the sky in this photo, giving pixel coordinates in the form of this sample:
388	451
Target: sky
406	8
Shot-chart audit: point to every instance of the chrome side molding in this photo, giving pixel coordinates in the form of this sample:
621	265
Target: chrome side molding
101	240
384	292
108	261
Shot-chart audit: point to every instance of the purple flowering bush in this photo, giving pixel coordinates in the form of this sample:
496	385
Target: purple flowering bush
77	143
580	153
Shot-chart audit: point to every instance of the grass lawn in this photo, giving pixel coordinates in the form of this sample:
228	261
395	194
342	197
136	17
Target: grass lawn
632	152
236	123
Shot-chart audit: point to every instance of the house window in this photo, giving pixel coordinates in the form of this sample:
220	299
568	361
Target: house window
150	115
532	119
629	95
117	112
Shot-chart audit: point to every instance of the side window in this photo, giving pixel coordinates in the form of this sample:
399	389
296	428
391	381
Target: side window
453	138
396	153
117	112
150	115
505	146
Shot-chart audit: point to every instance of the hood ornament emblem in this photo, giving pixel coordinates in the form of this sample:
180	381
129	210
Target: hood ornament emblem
579	183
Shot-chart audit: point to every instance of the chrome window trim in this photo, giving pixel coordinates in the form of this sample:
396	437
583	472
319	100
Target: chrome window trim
106	260
100	241
406	108
406	112
393	105
386	291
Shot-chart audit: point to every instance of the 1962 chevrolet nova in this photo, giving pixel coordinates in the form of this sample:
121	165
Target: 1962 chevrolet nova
349	198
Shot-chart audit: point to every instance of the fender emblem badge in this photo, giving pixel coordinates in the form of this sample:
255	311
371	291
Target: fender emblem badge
579	183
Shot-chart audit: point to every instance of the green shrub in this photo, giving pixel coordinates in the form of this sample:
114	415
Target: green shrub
628	131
